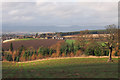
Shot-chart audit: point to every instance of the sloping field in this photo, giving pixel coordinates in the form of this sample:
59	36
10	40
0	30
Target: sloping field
89	35
30	43
62	68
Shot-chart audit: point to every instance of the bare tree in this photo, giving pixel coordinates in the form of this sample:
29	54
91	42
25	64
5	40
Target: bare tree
82	38
112	39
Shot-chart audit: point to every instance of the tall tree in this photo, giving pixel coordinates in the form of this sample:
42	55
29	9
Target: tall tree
11	47
72	47
112	39
36	35
82	38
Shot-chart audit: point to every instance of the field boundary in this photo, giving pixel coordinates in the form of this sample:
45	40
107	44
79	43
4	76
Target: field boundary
5	41
64	58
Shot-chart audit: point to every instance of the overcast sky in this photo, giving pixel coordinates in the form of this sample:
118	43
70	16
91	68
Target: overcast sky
59	16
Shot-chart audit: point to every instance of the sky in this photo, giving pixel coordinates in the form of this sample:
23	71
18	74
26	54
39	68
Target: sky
57	16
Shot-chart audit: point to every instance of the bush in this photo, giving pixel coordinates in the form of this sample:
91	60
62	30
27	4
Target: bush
63	55
116	53
67	49
45	51
78	53
94	48
71	54
17	59
8	57
105	52
33	57
54	55
89	51
97	51
40	56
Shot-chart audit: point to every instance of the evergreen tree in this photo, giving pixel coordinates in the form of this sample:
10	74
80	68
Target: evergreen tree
36	35
20	50
72	47
66	49
51	51
11	47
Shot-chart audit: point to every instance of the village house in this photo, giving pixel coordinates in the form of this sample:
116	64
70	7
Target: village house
48	37
57	37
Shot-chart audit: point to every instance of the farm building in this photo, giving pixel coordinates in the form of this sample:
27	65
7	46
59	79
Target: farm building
57	37
48	37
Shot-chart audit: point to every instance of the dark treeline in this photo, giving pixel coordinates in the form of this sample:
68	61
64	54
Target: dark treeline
88	32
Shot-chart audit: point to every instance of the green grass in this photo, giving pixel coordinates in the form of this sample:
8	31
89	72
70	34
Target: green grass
25	39
62	68
70	41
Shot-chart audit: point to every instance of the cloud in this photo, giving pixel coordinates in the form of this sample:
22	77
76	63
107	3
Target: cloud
13	12
61	14
23	18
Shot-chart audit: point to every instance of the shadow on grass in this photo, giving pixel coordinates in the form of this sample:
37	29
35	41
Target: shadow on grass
98	70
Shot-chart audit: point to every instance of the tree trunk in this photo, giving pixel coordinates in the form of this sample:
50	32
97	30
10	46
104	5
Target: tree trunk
110	54
13	59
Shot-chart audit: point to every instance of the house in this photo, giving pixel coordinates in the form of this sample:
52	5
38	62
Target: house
57	37
48	37
34	37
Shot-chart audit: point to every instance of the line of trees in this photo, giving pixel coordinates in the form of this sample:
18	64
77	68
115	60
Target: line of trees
62	50
23	54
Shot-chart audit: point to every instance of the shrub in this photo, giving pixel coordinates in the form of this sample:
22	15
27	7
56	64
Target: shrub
40	56
89	51
116	53
97	51
79	53
71	54
93	48
54	55
33	57
22	58
63	55
2	53
68	55
105	52
17	59
45	51
8	57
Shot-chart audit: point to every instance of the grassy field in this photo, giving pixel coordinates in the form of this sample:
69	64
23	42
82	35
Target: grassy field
25	39
62	68
70	41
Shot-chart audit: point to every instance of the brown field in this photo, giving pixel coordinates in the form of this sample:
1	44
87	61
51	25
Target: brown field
88	35
30	43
